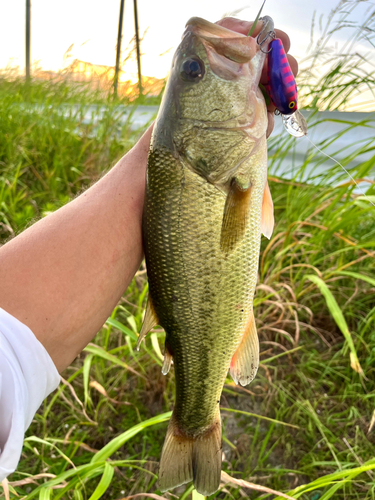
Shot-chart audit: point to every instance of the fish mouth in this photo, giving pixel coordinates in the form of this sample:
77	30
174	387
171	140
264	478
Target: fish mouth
212	28
233	46
230	56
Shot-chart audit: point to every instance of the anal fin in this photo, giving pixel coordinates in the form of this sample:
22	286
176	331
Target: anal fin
150	320
236	216
267	221
245	362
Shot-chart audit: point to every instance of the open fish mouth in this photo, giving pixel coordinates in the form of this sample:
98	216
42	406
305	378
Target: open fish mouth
231	56
231	44
227	50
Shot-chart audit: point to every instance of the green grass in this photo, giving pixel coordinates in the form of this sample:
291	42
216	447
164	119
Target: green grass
50	149
305	426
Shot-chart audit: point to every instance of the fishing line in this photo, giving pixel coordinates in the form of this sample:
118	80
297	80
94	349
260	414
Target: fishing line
282	90
342	166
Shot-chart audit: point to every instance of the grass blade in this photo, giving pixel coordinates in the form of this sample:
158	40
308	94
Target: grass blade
197	496
120	440
155	345
36	439
81	471
337	478
260	417
122	328
147	495
187	492
86	377
45	494
256	20
357	276
104	482
339	319
329	494
98	351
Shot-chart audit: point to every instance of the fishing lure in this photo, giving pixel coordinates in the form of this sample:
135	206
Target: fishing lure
282	87
281	83
282	90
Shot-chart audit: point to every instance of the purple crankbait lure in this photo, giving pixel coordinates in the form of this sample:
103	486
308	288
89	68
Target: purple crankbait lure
281	83
282	90
282	86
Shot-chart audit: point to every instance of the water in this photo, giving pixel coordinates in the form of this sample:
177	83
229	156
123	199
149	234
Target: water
342	138
324	126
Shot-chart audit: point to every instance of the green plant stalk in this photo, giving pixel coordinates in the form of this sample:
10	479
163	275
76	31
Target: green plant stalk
256	20
339	319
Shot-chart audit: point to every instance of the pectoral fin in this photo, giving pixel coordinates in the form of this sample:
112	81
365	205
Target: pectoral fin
149	321
236	215
267	221
245	362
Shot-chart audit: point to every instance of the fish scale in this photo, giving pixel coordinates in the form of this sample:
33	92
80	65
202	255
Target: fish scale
186	270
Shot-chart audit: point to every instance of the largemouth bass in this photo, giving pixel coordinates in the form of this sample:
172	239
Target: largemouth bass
207	202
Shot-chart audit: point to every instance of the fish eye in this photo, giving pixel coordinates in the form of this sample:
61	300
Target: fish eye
292	104
192	70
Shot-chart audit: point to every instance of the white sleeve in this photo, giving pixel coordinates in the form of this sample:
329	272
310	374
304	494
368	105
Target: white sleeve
27	376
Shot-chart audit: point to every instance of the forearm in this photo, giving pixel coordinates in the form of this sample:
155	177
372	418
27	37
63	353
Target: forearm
63	276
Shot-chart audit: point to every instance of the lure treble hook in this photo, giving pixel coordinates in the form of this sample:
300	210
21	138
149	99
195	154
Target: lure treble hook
266	33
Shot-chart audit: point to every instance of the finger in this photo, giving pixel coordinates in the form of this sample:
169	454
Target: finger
293	64
235	25
244	27
271	123
284	38
271	108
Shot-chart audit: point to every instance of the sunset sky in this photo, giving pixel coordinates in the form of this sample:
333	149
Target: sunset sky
91	25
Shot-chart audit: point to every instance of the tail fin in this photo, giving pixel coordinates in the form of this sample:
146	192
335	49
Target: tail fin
176	464
185	459
207	460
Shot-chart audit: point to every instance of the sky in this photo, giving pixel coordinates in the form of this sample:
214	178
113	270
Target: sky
91	27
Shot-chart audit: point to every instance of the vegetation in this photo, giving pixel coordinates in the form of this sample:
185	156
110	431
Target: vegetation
306	425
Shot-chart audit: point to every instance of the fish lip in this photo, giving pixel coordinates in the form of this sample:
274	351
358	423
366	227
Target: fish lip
215	30
221	42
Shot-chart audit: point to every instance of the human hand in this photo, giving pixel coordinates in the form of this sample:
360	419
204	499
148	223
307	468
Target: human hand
243	27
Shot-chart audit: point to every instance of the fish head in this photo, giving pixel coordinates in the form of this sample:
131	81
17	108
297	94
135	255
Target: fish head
213	111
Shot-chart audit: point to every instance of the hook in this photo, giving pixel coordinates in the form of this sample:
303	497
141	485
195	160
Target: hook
268	26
